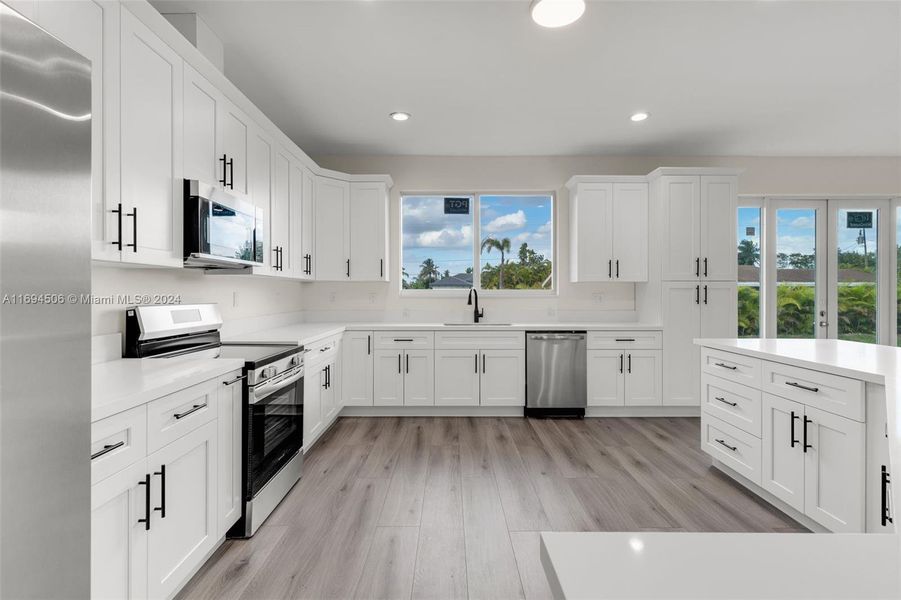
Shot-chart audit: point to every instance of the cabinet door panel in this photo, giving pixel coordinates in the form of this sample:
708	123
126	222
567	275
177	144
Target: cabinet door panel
281	217
681	362
259	184
834	471
419	377
356	386
118	541
200	130
388	378
681	220
329	394
630	231
229	423
332	222
308	226
457	377
188	532
719	309
368	217
235	136
718	200
782	472
606	380
591	225
503	381
151	153
644	378
312	403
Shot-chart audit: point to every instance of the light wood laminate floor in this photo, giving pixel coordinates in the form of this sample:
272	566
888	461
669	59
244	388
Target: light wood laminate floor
448	508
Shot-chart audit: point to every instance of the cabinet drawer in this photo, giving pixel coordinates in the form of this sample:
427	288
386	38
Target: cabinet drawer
730	445
172	416
117	442
481	340
617	340
736	404
392	340
734	367
832	393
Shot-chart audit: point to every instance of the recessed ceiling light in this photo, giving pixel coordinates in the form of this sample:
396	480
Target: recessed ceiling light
639	116
557	13
399	116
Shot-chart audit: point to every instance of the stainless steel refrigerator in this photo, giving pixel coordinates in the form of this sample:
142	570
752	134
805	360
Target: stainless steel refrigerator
45	321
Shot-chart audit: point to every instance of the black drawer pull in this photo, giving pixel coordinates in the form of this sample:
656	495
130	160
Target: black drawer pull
724	401
725	366
723	443
793	418
806	445
107	449
886	509
403	339
803	387
193	409
146	519
624	339
162	507
118	211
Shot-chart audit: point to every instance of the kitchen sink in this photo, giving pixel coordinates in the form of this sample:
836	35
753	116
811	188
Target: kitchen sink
478	324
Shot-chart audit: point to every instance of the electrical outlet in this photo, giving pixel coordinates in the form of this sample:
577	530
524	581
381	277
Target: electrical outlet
406	313
598	297
235	299
551	311
372	297
331	297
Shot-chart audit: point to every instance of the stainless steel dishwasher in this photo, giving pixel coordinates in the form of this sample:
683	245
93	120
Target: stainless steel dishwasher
556	373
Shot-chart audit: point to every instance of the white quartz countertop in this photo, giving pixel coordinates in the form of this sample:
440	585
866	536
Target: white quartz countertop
723	566
297	333
122	384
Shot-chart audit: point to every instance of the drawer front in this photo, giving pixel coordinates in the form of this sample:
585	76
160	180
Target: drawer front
482	340
172	416
118	441
734	367
736	404
394	340
733	447
832	393
618	340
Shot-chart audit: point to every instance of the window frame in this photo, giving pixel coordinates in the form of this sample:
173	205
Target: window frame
758	202
476	246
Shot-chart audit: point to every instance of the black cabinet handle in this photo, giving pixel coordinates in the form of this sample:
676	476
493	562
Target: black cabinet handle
803	387
231	173
407	358
886	509
328	376
610	268
324	378
368	345
162	507
146	519
381	267
275	252
348	267
705	294
403	339
621	359
483	362
705	266
476	362
624	339
193	409
806	445
617	268
697	294
725	366
724	401
235	380
398	364
698	267
118	211
107	448
134	245
629	369
224	161
793	418
723	443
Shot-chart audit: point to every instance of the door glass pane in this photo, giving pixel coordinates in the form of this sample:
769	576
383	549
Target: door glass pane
748	272
857	232
796	242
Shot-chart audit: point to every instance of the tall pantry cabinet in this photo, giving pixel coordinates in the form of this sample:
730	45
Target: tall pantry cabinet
696	216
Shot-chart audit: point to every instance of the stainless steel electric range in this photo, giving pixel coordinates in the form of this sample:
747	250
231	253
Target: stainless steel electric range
273	396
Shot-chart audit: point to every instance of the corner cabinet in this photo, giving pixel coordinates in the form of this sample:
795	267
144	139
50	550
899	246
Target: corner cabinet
332	222
609	229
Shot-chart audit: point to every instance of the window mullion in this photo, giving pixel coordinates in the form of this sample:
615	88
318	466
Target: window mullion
476	242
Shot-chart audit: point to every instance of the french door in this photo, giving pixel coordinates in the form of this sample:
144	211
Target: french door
827	270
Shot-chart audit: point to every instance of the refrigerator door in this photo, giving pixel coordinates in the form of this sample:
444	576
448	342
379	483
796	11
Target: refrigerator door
45	320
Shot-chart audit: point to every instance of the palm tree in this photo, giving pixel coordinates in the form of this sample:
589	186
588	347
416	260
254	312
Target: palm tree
748	253
428	272
502	246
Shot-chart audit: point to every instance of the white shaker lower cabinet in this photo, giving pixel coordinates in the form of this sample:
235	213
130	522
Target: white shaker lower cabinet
118	538
782	473
183	521
643	378
419	377
457	377
313	383
356	386
230	430
503	378
624	368
388	378
606	384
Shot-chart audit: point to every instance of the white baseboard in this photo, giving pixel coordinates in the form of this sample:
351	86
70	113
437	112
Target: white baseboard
643	411
759	491
432	411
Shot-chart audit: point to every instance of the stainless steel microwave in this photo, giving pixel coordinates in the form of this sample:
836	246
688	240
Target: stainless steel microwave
222	230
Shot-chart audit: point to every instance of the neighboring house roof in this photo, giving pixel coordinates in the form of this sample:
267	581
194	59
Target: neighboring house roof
460	280
751	274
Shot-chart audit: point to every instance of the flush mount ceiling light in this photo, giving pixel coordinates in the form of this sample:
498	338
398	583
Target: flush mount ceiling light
639	117
556	13
400	116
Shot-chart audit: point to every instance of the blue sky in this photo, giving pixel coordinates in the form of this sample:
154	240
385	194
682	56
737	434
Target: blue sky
447	239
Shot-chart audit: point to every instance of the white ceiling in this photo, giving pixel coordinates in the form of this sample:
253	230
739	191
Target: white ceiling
764	78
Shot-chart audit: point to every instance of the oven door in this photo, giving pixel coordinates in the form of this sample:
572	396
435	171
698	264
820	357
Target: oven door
274	428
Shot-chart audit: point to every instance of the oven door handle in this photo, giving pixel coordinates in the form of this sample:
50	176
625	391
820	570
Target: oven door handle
262	391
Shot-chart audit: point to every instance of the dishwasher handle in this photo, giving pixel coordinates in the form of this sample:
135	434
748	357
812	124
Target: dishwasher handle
551	336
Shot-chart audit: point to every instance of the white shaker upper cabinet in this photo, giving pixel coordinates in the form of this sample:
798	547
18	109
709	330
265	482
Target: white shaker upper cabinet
259	185
332	217
368	231
681	244
630	231
591	228
281	217
718	227
202	105
151	147
303	245
234	127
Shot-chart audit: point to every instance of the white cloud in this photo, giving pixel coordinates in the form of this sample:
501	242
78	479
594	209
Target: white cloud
442	238
545	229
790	244
801	222
506	222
